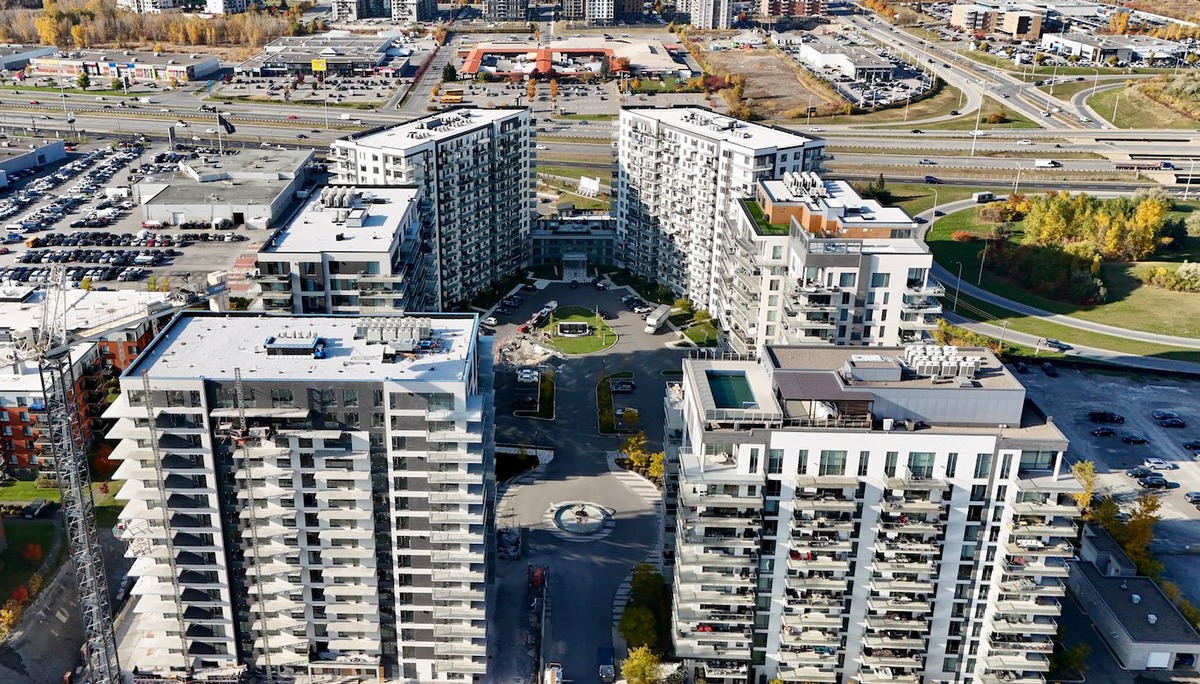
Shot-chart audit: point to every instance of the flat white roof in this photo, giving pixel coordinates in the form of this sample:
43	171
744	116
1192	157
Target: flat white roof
316	226
435	127
840	194
705	123
21	308
211	346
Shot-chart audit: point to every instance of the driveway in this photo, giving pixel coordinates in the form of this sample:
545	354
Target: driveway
584	576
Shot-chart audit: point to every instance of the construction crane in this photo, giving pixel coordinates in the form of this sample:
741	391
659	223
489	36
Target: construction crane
75	484
52	349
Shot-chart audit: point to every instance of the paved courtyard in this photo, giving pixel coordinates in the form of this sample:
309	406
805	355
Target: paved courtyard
584	576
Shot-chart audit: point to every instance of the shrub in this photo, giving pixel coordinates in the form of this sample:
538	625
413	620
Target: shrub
962	236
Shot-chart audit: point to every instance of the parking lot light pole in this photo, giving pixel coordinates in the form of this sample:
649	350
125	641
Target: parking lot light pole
957	285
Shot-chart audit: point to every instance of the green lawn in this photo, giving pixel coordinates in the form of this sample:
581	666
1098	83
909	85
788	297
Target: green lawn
74	91
1135	110
997	61
600	337
23	491
545	400
28	543
915	198
565	171
1065	91
1131	304
702	333
974	308
604	406
966	122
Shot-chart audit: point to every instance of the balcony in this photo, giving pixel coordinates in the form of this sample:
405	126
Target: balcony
808	674
801	583
885	658
1007	644
921	305
825	503
806	562
918	483
1027	663
1019	568
924	288
1027	586
1004	677
1037	547
896	621
1019	624
901	640
822	524
1047	607
898	605
1045	508
913	506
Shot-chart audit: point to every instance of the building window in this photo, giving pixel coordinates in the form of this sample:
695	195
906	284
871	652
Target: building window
802	462
920	464
983	465
846	279
350	398
880	279
889	463
1037	460
833	463
864	461
282	398
774	461
951	465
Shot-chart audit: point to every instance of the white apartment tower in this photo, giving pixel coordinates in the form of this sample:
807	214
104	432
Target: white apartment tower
350	250
708	14
882	516
474	167
310	494
148	6
808	260
225	6
680	173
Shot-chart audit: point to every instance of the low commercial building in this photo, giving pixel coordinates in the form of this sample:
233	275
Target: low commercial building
225	6
250	187
15	57
13	159
1141	626
1016	22
1097	49
351	250
338	52
575	56
574	244
792	8
855	62
160	67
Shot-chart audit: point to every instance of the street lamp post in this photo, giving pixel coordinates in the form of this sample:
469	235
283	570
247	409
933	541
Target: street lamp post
1017	182
1191	171
957	285
1003	331
1113	119
975	133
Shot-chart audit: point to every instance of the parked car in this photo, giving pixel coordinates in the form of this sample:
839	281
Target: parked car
1020	368
1139	472
1134	439
1106	417
503	311
1155	463
1058	346
1157	482
1103	431
1192	497
491	320
1172	423
1049	369
1163	415
1192	445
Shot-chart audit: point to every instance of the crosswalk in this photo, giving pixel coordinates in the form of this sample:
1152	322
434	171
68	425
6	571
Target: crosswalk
653	497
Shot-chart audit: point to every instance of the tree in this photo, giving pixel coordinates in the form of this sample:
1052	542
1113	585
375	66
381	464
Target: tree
553	88
640	666
79	35
655	470
1118	23
639	628
83	81
85	284
114	84
152	284
1105	514
1139	530
646	586
530	89
1085	475
449	73
683	305
1068	660
634	448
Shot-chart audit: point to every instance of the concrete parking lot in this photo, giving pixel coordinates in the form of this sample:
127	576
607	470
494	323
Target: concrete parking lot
1069	397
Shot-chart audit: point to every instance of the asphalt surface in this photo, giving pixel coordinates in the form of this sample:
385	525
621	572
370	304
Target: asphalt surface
584	576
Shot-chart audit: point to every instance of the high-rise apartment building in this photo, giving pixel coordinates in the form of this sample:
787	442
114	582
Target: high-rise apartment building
707	14
808	260
474	167
891	515
397	10
309	494
792	8
506	10
149	6
681	171
225	6
350	250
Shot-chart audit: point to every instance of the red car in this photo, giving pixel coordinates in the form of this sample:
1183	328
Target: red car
33	102
292	117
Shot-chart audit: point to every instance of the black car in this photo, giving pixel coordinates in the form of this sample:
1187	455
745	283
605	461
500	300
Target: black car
1192	445
1020	368
1163	415
1106	417
1049	369
1172	423
606	315
1134	439
1157	482
1103	431
1139	472
574	285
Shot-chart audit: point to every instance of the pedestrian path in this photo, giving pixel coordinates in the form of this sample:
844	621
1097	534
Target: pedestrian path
653	498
